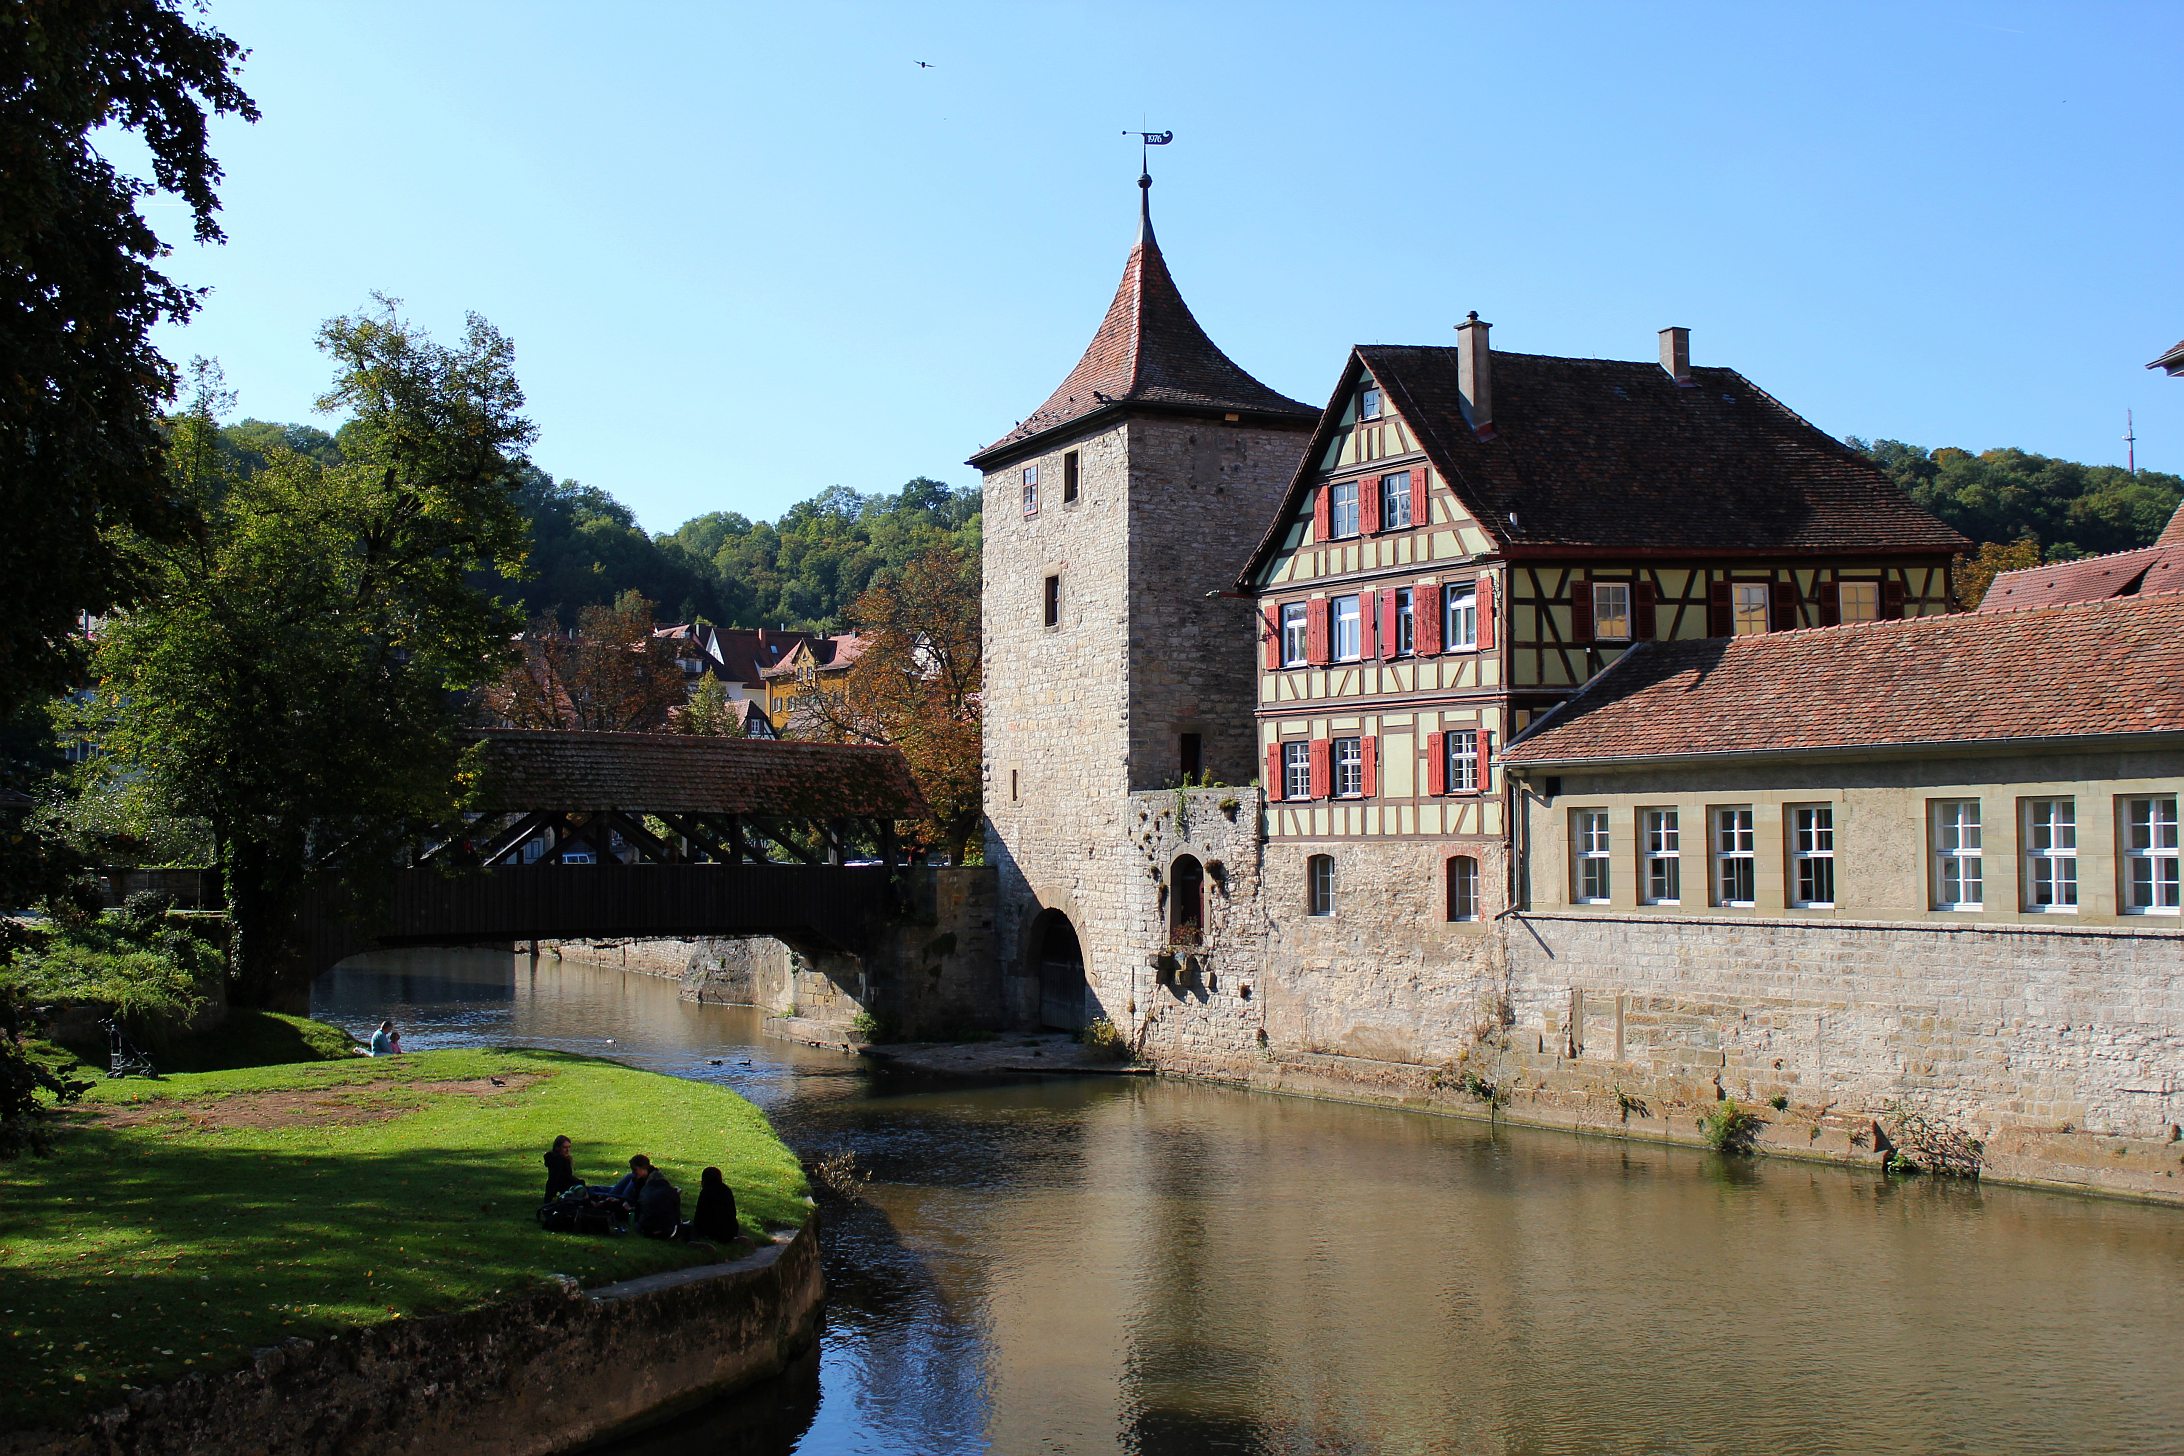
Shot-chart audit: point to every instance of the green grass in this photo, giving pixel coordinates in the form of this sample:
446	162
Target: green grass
255	1039
228	1218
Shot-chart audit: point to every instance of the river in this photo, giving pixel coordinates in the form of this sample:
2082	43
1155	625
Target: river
1137	1265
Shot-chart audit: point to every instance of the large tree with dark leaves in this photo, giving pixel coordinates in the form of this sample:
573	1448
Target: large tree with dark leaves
81	388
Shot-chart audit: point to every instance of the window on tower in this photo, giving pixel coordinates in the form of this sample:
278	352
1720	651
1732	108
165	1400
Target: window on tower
1054	601
1031	490
1069	478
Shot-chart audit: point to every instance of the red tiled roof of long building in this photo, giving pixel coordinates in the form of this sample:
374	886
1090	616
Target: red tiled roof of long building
2147	570
665	773
2092	670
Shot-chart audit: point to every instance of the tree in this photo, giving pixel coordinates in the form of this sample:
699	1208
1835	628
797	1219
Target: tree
81	389
2006	496
916	686
709	713
294	672
1975	573
610	675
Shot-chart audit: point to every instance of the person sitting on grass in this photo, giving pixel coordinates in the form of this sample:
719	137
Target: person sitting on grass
384	1041
715	1218
560	1168
655	1202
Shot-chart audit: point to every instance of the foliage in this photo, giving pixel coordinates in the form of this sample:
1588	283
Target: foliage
1975	573
870	1026
916	686
587	550
82	387
227	1222
610	675
1919	1143
292	676
1730	1128
32	1082
1105	1040
709	713
2005	496
245	1038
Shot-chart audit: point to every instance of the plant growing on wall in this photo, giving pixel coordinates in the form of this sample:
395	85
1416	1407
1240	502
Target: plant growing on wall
1730	1128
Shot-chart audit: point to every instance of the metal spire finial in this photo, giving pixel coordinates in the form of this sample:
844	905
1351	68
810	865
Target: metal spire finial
1147	140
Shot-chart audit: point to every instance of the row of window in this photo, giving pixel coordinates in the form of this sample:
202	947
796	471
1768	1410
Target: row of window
1407	621
2148	855
1460	884
1352	508
1623	611
1069	483
1457	762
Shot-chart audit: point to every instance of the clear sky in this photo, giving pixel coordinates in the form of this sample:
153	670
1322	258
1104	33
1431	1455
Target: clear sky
749	251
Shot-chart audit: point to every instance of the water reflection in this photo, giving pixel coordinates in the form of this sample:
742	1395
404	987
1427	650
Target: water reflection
1162	1268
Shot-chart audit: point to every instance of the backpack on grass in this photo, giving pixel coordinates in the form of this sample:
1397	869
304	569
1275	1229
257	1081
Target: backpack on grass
580	1210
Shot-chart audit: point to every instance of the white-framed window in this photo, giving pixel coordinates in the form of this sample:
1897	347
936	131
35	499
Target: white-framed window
1589	856
1858	601
1069	478
1295	634
1960	879
1319	885
1395	501
1348	645
2051	855
1736	867
1463	887
1406	624
1462	747
1611	611
1342	509
1748	606
1812	856
1031	490
1368	402
1460	619
1296	770
1349	760
1661	848
2150	853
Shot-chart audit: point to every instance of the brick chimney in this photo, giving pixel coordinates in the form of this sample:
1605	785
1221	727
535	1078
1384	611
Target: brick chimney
1676	354
1475	373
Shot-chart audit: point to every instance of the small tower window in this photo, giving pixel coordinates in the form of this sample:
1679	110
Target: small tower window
1069	478
1031	490
1054	601
1193	756
1186	901
1319	885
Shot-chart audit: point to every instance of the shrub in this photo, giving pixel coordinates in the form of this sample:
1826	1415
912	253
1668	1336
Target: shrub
1105	1040
870	1026
1780	1102
1731	1129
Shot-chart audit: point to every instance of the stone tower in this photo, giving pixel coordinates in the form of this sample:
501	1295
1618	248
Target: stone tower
1117	515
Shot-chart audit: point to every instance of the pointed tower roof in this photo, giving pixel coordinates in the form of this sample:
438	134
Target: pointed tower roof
1149	355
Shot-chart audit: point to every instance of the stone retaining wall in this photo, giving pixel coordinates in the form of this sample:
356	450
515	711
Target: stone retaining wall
550	1372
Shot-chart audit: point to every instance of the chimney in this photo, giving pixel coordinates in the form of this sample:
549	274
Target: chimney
1676	354
1475	373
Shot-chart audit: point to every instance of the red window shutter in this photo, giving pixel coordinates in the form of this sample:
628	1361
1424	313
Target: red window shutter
1642	601
1484	602
1892	599
1389	633
1720	618
1270	620
1420	505
1425	611
1781	604
1366	651
1322	774
1274	773
1486	759
1368	506
1322	507
1581	623
1316	634
1831	603
1369	749
1436	763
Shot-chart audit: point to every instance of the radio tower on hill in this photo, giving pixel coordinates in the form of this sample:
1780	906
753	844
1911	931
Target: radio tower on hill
2130	443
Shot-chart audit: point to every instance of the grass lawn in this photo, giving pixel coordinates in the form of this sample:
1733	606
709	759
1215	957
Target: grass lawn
181	1223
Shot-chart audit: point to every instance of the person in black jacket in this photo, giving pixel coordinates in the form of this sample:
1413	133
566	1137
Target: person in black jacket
560	1168
715	1217
656	1202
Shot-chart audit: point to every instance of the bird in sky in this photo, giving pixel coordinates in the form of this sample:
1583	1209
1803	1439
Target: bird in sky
923	65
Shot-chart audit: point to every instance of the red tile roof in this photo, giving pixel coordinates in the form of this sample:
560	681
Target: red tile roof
672	774
2149	569
746	652
1149	353
828	654
2092	670
2173	361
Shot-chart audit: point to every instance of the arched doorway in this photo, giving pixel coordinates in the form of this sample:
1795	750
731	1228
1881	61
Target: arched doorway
1058	958
1186	901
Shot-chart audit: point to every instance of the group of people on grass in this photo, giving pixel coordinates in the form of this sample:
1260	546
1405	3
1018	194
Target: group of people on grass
654	1204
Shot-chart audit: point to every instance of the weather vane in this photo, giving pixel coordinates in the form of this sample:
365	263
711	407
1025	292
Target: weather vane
1146	140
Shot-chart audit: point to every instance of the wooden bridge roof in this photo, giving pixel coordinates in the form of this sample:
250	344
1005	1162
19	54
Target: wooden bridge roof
662	773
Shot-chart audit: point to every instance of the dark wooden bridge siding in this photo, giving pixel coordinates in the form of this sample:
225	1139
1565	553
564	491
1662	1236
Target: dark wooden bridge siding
834	903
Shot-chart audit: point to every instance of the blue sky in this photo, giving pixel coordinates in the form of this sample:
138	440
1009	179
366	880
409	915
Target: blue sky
749	252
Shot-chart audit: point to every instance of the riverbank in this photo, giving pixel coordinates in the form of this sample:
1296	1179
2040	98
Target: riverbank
185	1227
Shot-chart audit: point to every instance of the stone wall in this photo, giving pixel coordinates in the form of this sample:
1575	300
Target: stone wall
550	1372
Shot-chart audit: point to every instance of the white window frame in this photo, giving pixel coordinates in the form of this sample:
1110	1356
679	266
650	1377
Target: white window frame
1319	886
1341	511
1031	490
1958	835
2049	839
1371	403
1395	501
1296	634
1734	831
1346	640
1611	611
1297	770
1462	887
1461	747
1406	623
1812	856
1866	593
1592	862
1346	775
2147	849
1460	620
1661	849
1750	602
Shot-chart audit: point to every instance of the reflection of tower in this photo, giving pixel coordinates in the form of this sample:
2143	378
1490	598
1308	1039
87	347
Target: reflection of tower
1115	516
2130	443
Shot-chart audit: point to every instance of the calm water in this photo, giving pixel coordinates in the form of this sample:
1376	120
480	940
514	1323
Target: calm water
1139	1266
